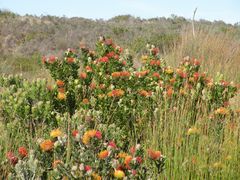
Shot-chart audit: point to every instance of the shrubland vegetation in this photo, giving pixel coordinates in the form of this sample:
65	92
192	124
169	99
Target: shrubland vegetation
100	110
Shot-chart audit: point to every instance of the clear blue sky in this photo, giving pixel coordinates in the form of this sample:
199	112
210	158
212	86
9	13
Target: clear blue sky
226	10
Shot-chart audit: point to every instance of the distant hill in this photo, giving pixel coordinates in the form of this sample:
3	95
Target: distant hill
25	39
29	35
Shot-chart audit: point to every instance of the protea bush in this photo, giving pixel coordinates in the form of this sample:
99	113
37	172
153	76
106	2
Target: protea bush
103	118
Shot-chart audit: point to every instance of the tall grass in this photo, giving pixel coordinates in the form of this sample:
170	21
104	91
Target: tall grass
218	51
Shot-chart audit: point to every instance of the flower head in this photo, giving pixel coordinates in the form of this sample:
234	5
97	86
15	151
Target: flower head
12	158
119	174
112	145
22	151
103	154
154	154
47	145
222	111
61	96
55	133
83	75
60	83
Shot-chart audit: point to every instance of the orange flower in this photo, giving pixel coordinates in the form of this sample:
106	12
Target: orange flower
125	73
88	69
22	151
116	93
141	73
61	96
145	93
55	163
222	111
116	74
93	85
127	161
155	62
119	174
70	60
170	91
88	135
156	74
103	154
61	90
122	155
85	101
60	83
46	145
96	176
83	75
154	154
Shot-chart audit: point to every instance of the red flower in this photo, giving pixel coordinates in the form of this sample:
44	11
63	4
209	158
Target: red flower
51	59
134	172
196	76
98	135
103	59
87	168
116	57
139	159
112	145
74	133
155	51
60	83
108	42
156	74
110	54
196	62
124	63
13	159
22	151
132	150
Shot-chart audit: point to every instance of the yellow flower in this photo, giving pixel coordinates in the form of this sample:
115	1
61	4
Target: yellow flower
122	155
96	176
222	111
61	96
144	58
192	130
169	70
119	174
88	135
55	133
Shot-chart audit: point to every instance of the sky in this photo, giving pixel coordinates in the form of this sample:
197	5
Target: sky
226	10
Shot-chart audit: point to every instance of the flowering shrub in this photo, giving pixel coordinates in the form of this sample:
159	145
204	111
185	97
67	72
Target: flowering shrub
93	155
99	105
